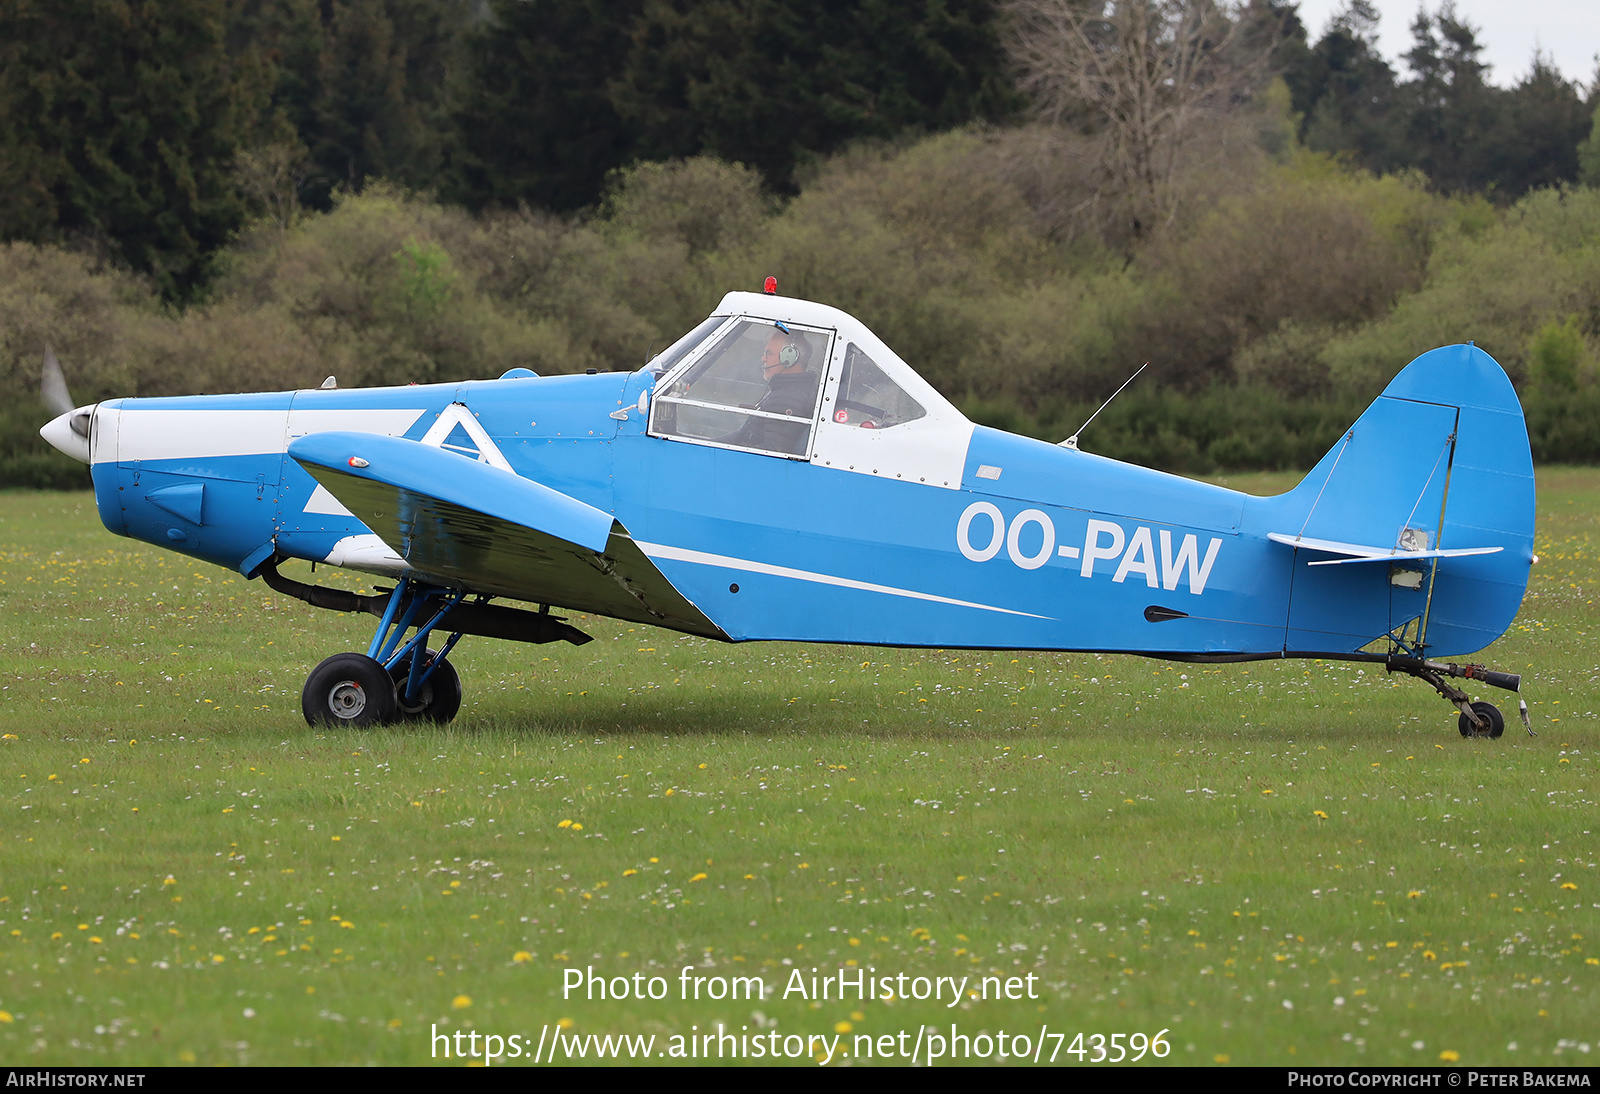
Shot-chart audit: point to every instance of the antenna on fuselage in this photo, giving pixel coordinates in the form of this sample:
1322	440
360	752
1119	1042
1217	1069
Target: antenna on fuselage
1072	441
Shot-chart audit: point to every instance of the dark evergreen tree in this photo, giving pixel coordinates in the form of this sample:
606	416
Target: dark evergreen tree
537	123
365	85
120	121
1542	122
568	90
1452	113
773	83
1346	93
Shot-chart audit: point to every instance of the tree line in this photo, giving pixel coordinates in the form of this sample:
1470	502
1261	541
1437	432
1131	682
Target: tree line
157	128
207	196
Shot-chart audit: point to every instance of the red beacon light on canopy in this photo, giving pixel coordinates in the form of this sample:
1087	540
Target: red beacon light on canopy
771	286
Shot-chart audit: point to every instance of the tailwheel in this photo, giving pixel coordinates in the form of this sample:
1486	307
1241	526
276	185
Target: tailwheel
1484	719
348	689
1493	722
437	696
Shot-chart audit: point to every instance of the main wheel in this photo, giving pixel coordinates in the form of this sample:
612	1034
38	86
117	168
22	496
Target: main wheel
437	700
348	689
1487	711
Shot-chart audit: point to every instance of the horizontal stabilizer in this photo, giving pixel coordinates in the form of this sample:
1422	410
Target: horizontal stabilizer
1357	552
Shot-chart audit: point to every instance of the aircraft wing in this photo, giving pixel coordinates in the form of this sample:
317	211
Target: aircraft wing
465	524
1356	552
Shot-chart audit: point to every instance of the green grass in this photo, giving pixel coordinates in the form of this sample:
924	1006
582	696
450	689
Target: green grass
181	851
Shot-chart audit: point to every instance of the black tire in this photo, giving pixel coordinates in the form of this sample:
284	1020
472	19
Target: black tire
440	698
348	689
1497	721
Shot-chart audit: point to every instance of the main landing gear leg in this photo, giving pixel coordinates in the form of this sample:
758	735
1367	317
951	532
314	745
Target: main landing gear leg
1478	719
397	679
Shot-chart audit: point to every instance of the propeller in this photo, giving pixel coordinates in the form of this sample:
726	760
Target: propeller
69	429
53	384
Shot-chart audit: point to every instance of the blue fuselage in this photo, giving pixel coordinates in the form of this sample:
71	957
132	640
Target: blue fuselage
1036	547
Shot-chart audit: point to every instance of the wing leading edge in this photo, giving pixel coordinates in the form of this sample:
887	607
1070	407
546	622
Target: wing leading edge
465	524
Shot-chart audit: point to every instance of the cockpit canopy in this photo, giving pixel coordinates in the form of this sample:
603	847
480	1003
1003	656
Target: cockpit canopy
803	381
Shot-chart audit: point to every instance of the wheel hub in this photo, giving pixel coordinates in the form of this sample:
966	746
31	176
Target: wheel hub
347	700
417	705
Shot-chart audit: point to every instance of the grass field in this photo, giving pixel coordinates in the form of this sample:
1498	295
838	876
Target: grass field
1274	862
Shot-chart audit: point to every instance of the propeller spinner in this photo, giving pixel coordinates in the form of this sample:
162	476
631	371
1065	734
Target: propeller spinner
68	431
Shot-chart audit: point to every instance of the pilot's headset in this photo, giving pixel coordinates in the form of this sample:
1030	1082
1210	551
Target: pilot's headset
790	354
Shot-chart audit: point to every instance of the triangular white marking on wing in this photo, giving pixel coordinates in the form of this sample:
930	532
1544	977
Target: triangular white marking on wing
456	418
321	501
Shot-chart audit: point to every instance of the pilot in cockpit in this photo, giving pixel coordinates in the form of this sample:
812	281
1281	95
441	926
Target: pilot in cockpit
791	390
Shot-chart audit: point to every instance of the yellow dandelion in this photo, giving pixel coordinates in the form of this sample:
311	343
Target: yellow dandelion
1220	1058
566	1023
1568	885
1319	814
522	957
1414	894
1449	1055
669	792
394	1023
698	877
703	767
629	872
5	1017
461	1002
842	1027
576	827
96	939
565	824
1429	955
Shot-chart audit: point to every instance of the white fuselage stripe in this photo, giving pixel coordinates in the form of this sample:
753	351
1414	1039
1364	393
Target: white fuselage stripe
203	432
680	554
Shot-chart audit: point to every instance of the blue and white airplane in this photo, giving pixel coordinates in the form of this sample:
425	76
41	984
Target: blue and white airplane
780	473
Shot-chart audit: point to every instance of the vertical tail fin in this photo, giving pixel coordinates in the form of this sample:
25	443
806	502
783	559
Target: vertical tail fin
1439	460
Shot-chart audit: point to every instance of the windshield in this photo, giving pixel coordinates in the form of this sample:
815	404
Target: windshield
661	362
756	388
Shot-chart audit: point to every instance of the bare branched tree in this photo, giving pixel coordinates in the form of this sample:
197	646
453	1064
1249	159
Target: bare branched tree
1145	78
270	178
